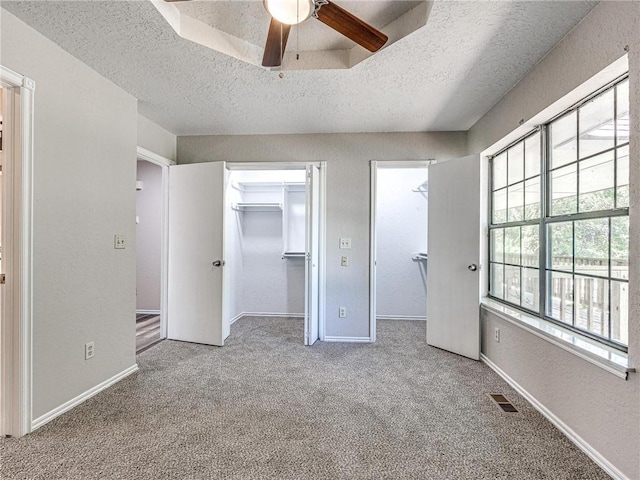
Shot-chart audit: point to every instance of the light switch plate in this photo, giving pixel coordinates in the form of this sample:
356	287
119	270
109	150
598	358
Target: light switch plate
119	241
345	243
344	261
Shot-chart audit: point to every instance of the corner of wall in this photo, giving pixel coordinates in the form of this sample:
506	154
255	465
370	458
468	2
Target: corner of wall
157	139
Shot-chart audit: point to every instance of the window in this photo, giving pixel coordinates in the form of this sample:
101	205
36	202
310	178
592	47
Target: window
559	219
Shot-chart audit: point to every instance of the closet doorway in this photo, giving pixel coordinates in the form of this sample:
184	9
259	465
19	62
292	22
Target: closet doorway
245	239
399	216
273	238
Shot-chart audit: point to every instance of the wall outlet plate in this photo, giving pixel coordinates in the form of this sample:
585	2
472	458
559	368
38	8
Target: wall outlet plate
89	350
342	312
119	242
496	335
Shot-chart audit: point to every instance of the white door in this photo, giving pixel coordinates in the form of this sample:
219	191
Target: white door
196	253
312	265
453	271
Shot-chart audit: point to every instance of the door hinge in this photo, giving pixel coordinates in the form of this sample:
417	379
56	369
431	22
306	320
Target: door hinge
3	278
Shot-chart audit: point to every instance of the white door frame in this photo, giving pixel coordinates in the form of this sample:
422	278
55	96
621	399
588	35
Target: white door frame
375	165
322	225
17	297
163	163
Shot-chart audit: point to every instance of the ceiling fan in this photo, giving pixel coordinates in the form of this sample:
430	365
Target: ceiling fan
285	13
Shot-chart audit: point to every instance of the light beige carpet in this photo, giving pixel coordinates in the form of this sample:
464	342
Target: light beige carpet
266	407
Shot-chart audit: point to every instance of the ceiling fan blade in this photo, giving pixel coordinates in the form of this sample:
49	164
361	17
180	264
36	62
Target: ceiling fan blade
351	26
276	43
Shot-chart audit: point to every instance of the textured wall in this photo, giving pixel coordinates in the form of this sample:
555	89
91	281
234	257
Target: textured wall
348	195
84	193
148	236
155	138
602	409
401	225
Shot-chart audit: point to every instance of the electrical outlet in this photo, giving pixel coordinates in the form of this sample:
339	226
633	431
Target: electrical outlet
345	242
342	312
345	261
496	334
89	350
119	241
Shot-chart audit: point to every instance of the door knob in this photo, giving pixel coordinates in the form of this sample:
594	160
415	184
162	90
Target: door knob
473	267
218	263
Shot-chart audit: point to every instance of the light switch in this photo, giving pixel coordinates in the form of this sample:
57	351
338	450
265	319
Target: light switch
345	261
345	243
119	241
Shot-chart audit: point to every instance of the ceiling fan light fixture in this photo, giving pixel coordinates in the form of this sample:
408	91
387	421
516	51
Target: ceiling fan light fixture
289	12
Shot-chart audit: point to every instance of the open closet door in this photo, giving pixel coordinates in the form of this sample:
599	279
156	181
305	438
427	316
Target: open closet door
453	273
312	265
196	253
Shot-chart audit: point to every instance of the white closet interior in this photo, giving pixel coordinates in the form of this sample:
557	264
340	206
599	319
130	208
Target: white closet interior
265	242
401	242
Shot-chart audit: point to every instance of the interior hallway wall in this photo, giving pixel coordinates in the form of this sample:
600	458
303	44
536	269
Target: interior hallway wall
602	409
148	237
348	196
401	226
85	141
156	139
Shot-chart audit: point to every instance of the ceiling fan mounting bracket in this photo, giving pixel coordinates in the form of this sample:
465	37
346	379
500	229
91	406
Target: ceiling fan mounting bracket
318	4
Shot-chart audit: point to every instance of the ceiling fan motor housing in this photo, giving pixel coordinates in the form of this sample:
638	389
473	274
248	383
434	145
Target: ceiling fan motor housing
290	12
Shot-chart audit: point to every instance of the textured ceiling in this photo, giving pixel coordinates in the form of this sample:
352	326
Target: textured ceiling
444	76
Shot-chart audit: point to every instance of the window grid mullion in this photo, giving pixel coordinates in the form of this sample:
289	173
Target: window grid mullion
543	245
490	205
577	162
609	284
573	270
615	154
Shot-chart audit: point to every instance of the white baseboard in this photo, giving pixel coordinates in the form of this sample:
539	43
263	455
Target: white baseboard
65	407
579	442
236	318
328	338
267	314
399	317
147	312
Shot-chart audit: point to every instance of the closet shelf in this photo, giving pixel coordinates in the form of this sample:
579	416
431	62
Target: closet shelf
258	206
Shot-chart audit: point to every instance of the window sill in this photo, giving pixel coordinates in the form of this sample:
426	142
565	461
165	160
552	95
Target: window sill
605	357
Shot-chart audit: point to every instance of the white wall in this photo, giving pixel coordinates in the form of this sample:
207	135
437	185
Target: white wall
83	194
156	139
601	408
401	226
233	254
348	195
270	284
148	236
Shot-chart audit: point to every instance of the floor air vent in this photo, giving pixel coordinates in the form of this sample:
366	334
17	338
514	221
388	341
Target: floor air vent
502	402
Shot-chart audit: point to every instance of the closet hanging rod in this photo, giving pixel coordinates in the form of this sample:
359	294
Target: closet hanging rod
293	255
419	256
